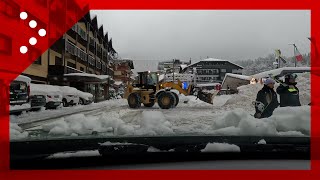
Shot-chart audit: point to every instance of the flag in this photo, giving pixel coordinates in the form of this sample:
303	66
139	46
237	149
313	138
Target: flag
297	54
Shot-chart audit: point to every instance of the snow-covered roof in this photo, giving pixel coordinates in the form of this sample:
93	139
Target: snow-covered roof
238	76
161	77
281	72
216	60
88	75
183	66
118	83
23	78
208	84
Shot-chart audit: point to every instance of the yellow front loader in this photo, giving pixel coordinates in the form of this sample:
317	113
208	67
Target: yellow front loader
148	91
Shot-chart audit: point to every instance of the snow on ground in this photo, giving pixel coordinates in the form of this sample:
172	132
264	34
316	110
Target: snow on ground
20	107
230	115
221	147
34	116
262	141
74	154
16	132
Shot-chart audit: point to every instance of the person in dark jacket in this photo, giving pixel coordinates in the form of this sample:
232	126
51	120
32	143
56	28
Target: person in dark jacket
267	98
288	91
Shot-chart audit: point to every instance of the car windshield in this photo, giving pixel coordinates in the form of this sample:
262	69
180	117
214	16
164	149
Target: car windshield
218	75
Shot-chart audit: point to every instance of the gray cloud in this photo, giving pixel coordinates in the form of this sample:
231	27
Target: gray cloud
184	34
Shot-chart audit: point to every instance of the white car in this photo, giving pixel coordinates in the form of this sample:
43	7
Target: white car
70	96
85	98
53	94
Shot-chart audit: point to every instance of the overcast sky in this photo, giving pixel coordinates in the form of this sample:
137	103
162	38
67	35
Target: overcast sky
232	35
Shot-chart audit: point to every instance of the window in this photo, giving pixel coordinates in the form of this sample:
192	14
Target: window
70	64
37	61
58	61
81	69
223	70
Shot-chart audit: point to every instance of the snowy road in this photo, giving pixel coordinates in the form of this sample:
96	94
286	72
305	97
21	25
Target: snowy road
229	115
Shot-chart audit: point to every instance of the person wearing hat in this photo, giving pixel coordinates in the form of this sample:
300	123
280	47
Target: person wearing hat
288	91
267	98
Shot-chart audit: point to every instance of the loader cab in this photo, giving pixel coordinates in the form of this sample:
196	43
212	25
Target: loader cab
147	80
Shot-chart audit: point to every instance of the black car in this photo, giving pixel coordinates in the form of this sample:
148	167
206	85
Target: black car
37	102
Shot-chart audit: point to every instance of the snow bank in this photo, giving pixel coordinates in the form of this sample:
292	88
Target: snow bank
262	141
221	147
74	154
16	132
191	101
154	123
221	100
293	121
20	107
79	124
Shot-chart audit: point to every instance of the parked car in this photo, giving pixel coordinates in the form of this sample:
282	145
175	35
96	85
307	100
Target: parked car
69	96
52	94
20	95
37	102
85	98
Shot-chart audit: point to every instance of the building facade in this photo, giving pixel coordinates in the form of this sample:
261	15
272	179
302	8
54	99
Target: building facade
212	70
176	64
123	70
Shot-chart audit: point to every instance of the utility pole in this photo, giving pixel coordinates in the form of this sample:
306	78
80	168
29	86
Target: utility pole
173	70
294	49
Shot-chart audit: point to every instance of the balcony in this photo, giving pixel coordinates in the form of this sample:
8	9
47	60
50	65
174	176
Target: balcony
98	65
91	60
73	50
58	70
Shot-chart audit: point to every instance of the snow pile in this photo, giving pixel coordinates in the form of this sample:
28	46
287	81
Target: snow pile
154	123
262	141
16	132
74	154
25	106
221	100
221	147
44	89
304	88
66	90
294	121
79	124
191	101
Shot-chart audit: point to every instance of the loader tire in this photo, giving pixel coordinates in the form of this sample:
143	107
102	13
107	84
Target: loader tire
134	100
166	100
177	98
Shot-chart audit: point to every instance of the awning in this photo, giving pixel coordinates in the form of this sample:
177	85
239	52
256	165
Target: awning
85	77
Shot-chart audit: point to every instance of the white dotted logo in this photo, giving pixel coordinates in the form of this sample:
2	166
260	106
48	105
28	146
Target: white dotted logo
42	32
33	24
32	41
23	49
23	15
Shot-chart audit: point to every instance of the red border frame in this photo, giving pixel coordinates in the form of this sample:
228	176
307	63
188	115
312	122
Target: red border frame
312	5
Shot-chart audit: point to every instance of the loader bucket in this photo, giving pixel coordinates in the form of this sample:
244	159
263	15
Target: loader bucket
207	96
